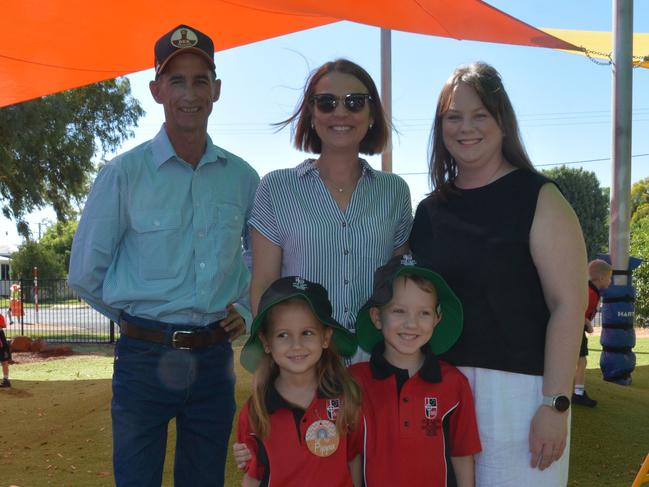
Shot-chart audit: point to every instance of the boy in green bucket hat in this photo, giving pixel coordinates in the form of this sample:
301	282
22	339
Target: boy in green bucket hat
419	410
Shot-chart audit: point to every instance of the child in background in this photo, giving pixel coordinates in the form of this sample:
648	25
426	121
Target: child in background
5	354
302	424
419	410
599	273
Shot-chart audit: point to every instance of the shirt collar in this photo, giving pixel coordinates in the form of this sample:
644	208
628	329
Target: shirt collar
593	287
382	369
309	166
163	151
275	401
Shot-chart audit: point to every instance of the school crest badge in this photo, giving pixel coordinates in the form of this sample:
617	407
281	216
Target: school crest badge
333	405
430	407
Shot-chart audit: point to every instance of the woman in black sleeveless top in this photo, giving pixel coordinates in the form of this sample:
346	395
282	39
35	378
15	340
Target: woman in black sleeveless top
511	247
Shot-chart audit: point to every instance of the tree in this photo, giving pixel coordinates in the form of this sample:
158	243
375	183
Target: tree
31	254
639	200
58	239
47	146
640	248
582	190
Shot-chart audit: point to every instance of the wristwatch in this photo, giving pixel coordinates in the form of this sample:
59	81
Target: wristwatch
559	402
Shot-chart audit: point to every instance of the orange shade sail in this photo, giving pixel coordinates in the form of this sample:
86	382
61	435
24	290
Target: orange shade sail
54	45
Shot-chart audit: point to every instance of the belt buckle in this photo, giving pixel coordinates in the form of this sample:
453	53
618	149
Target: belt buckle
174	339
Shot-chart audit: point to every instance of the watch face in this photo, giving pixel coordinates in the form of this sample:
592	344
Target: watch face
561	403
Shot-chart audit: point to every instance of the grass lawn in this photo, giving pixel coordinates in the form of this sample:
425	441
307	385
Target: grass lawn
56	423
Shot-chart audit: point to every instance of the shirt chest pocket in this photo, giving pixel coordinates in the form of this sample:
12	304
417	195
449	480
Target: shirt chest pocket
158	241
229	226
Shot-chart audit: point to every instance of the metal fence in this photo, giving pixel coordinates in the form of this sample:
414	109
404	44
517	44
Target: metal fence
52	311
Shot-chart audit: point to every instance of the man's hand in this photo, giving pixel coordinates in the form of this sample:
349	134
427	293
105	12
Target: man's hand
233	324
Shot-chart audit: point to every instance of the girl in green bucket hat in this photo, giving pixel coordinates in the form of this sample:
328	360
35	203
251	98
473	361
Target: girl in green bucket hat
302	424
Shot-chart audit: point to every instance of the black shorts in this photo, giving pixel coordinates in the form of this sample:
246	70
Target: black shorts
5	351
583	350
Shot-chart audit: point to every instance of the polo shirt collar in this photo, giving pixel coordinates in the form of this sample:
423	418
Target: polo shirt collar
163	151
382	369
309	166
593	287
275	401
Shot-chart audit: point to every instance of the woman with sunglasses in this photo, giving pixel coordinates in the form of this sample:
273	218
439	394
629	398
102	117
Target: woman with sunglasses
333	219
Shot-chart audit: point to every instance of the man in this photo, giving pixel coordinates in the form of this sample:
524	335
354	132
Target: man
159	250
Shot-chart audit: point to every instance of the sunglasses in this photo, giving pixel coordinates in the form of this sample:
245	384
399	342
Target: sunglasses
353	102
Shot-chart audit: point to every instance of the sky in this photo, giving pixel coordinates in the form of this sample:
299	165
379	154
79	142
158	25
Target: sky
563	101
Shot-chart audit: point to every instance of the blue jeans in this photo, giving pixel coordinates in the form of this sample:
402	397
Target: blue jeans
153	383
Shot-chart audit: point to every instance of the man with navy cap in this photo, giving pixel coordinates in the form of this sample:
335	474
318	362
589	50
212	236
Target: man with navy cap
159	250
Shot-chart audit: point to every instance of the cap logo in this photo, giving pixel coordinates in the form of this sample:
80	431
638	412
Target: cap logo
183	38
407	260
300	284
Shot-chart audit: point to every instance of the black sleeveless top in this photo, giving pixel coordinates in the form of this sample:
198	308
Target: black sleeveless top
479	241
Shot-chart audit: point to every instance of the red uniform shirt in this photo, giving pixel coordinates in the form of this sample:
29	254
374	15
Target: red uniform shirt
283	458
593	301
415	424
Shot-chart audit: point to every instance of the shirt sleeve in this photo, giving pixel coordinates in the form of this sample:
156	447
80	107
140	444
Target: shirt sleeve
263	218
245	435
405	216
356	438
95	243
464	426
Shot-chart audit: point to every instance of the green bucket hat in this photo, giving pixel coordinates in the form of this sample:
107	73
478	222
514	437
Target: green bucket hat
317	298
448	329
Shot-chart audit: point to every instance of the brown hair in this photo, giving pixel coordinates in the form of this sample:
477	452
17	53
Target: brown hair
332	376
488	85
306	138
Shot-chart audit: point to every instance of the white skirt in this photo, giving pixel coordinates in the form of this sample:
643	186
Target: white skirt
505	405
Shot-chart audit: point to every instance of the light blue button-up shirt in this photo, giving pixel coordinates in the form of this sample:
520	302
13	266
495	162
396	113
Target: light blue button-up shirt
161	240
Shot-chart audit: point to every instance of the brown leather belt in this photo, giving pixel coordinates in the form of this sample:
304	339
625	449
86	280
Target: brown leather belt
194	339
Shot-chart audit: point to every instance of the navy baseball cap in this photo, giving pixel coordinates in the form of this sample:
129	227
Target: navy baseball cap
448	329
318	299
179	40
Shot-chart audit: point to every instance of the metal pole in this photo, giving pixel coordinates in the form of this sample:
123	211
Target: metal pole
622	100
386	93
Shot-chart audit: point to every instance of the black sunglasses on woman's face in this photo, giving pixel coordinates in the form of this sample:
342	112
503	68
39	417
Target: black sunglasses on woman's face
353	102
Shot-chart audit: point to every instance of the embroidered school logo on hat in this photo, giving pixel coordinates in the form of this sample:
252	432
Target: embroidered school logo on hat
333	405
183	38
408	260
430	407
300	284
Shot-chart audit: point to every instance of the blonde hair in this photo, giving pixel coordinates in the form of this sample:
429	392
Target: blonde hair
598	268
332	376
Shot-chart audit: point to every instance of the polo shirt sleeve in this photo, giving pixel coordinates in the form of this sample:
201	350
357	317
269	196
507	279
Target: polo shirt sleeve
263	217
593	300
101	228
356	438
464	426
245	435
404	224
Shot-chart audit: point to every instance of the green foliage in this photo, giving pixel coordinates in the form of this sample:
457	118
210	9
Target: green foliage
58	239
640	248
47	146
582	190
31	254
639	200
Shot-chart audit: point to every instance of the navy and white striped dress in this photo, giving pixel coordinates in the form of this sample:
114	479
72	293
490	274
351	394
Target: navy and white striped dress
320	242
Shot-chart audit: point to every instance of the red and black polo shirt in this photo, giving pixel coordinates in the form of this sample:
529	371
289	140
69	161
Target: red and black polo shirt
414	425
283	459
